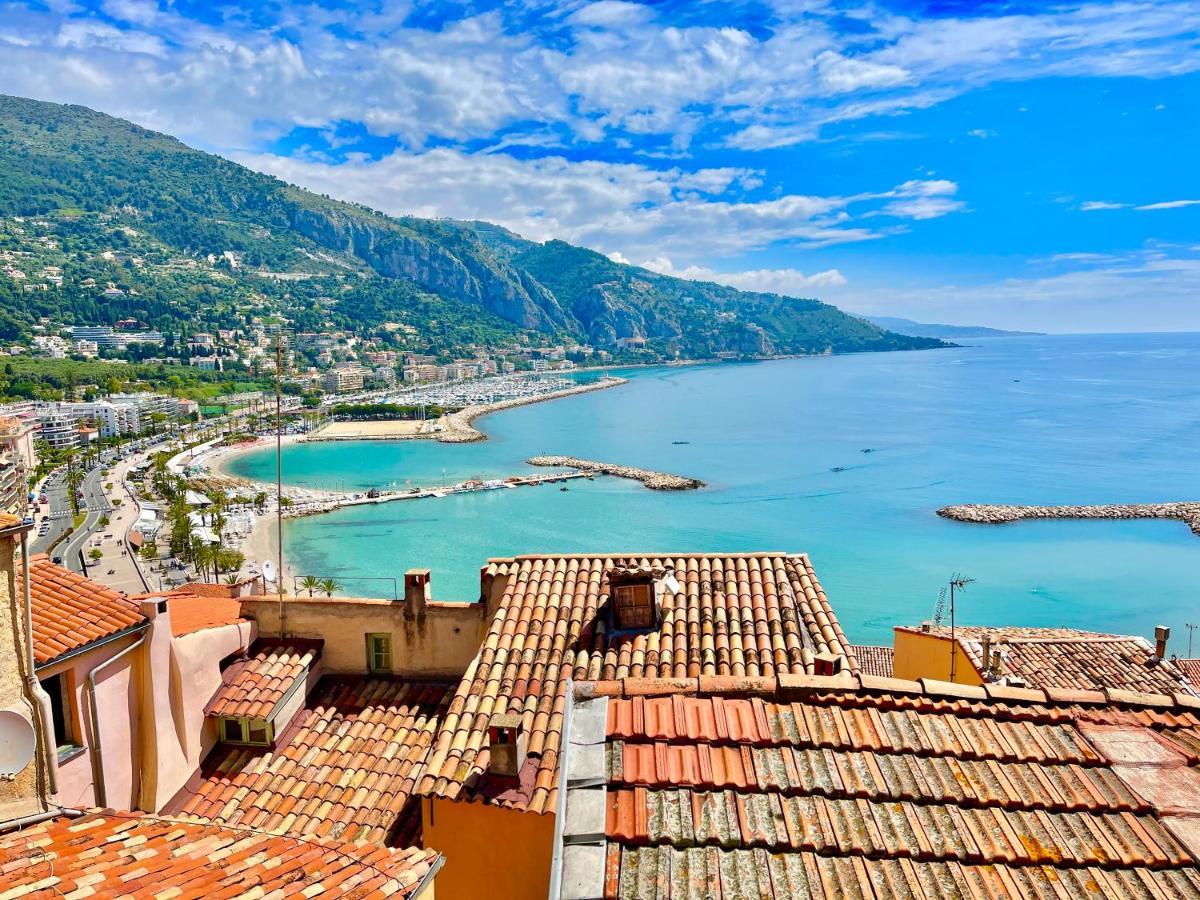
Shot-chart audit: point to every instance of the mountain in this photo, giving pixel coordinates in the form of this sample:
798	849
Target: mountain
930	330
140	210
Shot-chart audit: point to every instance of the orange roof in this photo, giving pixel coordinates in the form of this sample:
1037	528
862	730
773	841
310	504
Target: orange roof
345	768
252	687
734	614
8	520
1068	658
70	611
1190	668
818	787
133	854
190	613
875	661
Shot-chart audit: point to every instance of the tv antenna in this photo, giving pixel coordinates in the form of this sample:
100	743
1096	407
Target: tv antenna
1191	628
957	582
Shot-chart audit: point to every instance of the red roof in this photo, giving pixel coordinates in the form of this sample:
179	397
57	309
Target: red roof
70	611
108	854
817	787
345	768
252	687
1068	658
734	614
872	660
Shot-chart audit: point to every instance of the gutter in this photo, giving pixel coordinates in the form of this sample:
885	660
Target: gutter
96	753
37	818
39	701
88	648
427	881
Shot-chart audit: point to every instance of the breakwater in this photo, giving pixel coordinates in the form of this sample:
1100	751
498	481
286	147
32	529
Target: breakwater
457	427
656	481
998	514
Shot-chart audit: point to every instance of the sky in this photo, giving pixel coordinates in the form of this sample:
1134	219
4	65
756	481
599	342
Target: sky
1021	165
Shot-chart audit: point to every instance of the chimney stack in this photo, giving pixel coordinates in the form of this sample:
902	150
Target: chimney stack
506	746
1162	634
416	593
986	654
827	664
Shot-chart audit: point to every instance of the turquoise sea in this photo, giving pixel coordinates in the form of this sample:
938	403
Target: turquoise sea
1041	420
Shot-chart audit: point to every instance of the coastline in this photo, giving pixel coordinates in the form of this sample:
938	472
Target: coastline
458	427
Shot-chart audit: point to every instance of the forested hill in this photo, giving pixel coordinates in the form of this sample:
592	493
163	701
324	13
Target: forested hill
105	183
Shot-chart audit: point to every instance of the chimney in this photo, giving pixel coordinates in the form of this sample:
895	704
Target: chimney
926	627
416	593
1162	634
986	655
997	663
827	664
506	746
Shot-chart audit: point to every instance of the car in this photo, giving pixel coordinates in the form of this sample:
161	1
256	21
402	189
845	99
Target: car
57	560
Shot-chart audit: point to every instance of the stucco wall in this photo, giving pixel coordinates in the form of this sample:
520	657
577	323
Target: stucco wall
490	851
20	795
117	718
441	643
194	676
920	655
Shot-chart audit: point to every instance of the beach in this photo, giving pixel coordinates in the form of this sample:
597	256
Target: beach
374	430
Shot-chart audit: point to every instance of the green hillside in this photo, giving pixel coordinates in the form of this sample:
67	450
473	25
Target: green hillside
196	242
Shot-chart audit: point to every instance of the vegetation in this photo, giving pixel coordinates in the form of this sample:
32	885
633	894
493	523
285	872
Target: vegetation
193	242
360	411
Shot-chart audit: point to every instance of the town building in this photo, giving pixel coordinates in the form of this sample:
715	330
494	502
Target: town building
1038	658
343	380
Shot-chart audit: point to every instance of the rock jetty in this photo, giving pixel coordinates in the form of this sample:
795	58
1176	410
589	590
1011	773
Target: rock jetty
993	514
457	427
656	481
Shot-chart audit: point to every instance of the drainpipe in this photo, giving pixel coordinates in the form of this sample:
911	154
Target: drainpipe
39	700
36	818
95	751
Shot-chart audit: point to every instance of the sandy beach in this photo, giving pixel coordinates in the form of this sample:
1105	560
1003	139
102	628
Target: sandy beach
373	430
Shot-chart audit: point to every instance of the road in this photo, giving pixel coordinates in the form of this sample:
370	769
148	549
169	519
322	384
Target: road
97	506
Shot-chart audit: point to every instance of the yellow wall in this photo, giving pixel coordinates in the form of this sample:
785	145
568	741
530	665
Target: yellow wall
920	655
441	643
490	851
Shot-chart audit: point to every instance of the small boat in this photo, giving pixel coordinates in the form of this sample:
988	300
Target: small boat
838	469
678	443
564	488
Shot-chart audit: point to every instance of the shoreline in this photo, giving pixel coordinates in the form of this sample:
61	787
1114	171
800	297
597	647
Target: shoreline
1002	514
458	428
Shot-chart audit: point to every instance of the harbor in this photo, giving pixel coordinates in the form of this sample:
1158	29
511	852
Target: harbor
1000	514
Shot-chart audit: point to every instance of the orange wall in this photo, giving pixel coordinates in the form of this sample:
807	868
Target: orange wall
490	851
920	655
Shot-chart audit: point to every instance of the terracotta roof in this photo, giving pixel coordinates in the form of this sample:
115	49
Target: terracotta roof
190	613
70	611
8	520
1066	658
737	614
872	660
1190	669
252	687
107	854
817	787
346	767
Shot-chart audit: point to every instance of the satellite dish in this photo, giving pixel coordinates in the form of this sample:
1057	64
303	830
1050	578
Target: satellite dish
268	570
17	742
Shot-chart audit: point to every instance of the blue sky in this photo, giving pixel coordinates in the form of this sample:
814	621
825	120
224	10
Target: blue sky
1026	165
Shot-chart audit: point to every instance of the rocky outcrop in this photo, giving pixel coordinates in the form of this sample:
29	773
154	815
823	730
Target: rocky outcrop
464	270
656	481
993	514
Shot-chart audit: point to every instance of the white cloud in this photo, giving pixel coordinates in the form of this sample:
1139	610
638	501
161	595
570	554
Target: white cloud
1092	294
628	208
1096	205
981	133
1169	204
789	282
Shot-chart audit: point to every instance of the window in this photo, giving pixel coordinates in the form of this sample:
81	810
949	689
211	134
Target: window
62	710
633	606
379	653
246	731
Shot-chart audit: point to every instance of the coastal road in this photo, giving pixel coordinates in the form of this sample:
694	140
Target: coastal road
59	509
97	505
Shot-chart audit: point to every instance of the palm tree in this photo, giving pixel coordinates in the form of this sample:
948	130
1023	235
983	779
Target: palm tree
310	583
232	578
329	586
260	501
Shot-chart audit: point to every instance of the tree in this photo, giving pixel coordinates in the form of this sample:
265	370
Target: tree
310	583
260	501
330	587
96	554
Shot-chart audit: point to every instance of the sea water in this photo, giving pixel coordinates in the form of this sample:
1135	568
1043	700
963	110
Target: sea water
782	446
